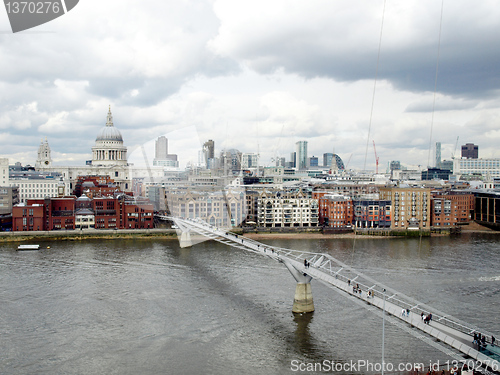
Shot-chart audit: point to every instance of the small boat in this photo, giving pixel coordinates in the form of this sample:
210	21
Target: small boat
28	247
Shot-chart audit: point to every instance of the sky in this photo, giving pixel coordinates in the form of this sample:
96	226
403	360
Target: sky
257	76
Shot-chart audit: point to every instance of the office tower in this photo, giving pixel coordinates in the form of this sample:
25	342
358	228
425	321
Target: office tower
293	159
327	159
209	152
162	157
301	154
313	161
470	151
438	154
161	148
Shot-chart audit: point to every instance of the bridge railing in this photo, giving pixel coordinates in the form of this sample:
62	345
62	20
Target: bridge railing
343	272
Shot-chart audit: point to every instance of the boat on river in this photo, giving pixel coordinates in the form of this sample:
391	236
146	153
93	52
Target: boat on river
28	247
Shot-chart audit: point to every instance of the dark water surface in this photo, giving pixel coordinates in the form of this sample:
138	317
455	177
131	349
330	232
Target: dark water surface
149	307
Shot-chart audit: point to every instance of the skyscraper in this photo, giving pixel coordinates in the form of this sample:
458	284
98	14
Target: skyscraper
301	152
161	148
438	154
209	153
327	159
470	151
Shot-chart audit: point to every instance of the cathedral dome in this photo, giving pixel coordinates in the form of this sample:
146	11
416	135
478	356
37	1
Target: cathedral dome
109	132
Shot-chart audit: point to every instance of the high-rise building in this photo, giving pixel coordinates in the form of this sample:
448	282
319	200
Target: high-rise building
327	159
162	157
438	154
313	161
209	152
293	160
470	151
249	160
161	148
301	154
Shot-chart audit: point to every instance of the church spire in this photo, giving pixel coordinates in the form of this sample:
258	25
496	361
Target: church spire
109	119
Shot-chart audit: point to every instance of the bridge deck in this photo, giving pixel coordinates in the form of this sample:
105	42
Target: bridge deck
332	272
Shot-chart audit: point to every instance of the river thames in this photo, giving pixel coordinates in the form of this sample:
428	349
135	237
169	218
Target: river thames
148	307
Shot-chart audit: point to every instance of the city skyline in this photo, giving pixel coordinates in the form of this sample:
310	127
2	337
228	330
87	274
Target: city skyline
257	77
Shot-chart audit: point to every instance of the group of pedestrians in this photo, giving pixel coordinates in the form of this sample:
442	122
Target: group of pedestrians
480	340
405	312
426	318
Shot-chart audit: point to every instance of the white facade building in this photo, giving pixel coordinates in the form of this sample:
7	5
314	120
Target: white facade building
39	188
484	167
287	211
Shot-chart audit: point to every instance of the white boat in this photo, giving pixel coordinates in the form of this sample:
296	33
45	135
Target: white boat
28	247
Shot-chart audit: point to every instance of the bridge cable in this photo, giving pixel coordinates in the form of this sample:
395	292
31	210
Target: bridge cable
435	88
374	85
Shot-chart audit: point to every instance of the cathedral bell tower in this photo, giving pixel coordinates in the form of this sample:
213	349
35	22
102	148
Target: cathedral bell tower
43	159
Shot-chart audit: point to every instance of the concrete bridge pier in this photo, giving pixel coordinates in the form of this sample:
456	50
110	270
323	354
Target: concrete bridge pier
185	239
303	300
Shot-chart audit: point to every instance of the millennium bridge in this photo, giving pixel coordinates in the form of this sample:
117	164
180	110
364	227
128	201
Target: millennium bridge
398	308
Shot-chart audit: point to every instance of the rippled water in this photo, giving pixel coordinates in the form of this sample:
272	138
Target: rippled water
149	307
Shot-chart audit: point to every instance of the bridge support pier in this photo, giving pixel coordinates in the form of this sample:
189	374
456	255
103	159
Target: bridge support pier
185	239
303	300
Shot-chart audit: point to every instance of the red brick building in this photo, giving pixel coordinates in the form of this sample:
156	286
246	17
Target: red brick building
335	211
120	212
28	218
451	208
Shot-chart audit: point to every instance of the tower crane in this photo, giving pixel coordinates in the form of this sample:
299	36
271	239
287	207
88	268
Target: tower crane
376	157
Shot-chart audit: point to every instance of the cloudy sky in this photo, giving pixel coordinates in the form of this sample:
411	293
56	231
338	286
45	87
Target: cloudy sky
257	76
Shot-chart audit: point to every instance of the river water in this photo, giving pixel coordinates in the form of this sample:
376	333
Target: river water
149	307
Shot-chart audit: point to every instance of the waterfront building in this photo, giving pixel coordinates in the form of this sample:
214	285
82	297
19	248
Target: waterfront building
301	155
9	197
451	208
487	209
28	217
221	208
372	213
336	211
410	206
287	209
70	212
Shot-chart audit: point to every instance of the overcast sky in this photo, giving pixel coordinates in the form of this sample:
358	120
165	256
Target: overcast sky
257	76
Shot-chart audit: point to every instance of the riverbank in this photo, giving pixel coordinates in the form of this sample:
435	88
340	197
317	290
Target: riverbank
163	233
79	235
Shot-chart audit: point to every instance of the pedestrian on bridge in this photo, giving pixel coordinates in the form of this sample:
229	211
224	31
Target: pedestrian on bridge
492	340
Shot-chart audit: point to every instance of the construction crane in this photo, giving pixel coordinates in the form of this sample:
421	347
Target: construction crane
376	157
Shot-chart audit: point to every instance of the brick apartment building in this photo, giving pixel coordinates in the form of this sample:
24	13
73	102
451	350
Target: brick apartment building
120	212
